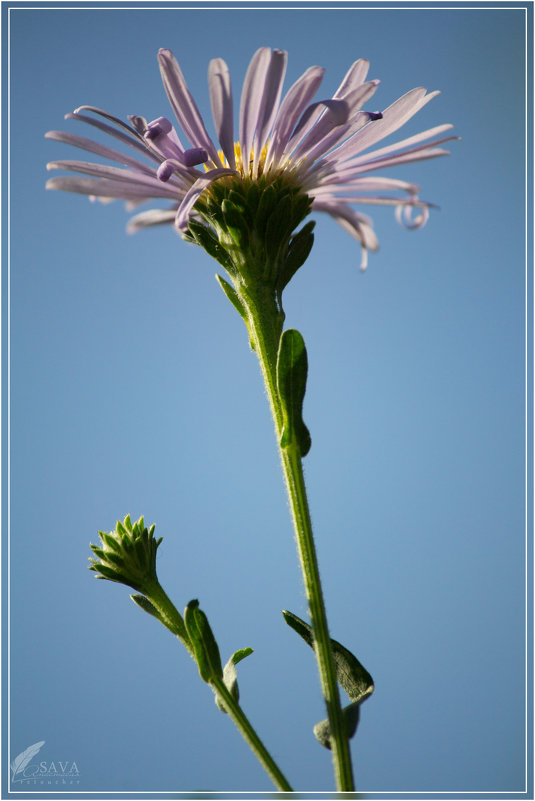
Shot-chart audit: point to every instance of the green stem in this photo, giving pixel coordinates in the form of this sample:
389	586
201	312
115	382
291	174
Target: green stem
171	617
265	330
250	736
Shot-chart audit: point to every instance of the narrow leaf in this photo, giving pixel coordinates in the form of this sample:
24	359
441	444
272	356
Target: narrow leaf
205	648
292	368
146	605
232	295
351	675
230	676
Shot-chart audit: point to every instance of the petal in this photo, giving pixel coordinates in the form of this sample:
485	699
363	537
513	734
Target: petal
97	149
393	118
183	104
107	116
354	223
251	99
151	217
270	101
355	75
295	101
145	183
222	107
411	140
192	195
101	187
128	140
318	140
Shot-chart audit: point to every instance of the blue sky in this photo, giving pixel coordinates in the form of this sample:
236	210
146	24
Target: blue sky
133	390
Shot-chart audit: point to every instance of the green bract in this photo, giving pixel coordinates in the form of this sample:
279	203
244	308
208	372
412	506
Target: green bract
128	555
249	227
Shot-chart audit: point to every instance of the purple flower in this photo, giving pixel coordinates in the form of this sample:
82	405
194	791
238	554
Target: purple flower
318	147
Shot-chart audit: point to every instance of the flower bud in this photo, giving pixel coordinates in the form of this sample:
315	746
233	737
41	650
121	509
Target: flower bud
127	555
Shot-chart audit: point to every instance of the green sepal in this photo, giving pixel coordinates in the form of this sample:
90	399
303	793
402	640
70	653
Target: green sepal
351	675
205	648
232	295
204	237
235	223
292	368
230	677
277	224
266	207
298	252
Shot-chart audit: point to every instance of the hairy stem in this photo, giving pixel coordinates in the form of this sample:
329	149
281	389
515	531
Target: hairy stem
250	736
265	330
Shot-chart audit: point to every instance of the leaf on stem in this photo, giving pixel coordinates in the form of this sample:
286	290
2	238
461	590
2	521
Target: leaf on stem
292	369
351	675
232	295
230	677
205	648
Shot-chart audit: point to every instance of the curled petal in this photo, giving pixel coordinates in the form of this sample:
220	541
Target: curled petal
404	214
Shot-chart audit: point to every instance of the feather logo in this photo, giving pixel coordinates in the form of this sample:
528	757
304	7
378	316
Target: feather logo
24	759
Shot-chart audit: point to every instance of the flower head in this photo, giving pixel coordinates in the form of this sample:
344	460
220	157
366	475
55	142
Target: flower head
319	150
127	555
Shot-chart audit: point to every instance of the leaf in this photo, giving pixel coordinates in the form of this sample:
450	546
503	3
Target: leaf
351	675
292	368
205	648
232	295
230	677
148	607
351	713
24	758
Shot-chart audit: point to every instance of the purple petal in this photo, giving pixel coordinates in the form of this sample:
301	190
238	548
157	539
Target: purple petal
354	77
222	107
97	149
128	140
146	183
106	188
393	118
193	194
107	116
296	99
251	99
411	140
318	140
149	218
270	101
183	104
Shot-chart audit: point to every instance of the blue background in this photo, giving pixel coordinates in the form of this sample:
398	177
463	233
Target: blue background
133	390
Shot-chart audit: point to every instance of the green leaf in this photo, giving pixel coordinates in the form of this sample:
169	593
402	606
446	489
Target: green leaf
205	648
351	675
146	605
292	368
232	295
351	713
230	677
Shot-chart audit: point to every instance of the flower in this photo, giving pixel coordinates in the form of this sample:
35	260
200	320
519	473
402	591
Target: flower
128	555
317	147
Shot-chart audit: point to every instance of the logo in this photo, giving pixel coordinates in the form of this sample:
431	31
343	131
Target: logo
26	771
